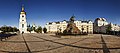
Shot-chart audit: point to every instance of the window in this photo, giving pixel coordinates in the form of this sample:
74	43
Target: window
22	16
22	25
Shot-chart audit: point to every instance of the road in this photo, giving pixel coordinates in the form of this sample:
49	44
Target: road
47	43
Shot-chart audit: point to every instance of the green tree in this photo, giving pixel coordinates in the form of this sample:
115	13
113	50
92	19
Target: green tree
29	28
15	29
44	30
33	28
4	29
9	29
39	29
108	29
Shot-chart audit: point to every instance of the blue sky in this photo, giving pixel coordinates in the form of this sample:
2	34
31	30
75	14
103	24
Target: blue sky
42	11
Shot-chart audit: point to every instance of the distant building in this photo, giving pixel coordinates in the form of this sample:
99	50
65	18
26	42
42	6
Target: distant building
114	27
23	26
85	26
101	25
23	22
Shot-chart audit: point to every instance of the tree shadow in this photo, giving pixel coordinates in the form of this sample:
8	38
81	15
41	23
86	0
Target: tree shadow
104	47
63	45
5	36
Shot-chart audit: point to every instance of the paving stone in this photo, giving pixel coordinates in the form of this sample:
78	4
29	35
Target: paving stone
45	43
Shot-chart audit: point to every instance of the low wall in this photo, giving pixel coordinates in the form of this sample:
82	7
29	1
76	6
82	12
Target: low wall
78	36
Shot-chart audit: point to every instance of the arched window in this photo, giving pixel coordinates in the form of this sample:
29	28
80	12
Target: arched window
22	15
22	25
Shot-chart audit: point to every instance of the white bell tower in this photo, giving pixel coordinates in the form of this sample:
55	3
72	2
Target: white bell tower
22	21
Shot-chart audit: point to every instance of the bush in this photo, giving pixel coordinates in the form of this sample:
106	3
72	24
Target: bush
8	29
39	29
44	30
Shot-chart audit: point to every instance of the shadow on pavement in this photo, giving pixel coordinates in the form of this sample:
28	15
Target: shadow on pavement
104	47
5	36
21	41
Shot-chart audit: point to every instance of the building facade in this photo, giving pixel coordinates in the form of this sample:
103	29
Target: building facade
114	27
101	26
23	22
83	26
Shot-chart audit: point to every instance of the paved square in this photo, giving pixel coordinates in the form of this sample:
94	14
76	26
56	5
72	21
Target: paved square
47	43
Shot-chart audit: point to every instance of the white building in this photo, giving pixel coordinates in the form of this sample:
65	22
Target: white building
114	27
83	26
101	25
56	26
23	22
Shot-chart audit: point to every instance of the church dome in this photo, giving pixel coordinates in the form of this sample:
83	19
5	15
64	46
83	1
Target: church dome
72	18
98	19
101	19
22	12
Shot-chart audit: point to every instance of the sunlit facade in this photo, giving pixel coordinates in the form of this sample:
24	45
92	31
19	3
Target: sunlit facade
101	25
83	26
23	22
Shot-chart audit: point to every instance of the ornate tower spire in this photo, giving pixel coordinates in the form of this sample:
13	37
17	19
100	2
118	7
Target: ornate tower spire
23	21
22	7
23	11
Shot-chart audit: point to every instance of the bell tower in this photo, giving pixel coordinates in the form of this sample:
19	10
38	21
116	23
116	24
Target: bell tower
23	21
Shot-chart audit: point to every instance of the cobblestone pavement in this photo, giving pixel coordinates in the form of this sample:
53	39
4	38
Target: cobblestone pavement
47	43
